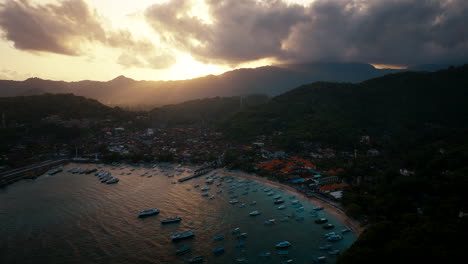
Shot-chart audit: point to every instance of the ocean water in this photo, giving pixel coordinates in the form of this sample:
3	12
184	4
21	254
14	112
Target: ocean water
73	218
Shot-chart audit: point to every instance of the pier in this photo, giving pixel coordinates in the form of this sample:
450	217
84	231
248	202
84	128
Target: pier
197	173
28	172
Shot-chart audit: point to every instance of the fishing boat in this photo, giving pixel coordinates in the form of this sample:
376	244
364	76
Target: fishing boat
277	197
318	208
205	194
242	206
212	197
233	201
171	220
236	230
149	212
254	213
325	247
346	230
218	237
182	250
265	254
204	189
253	203
321	221
182	235
198	259
112	180
328	226
219	251
334	252
283	244
334	238
242	235
269	221
281	207
278	202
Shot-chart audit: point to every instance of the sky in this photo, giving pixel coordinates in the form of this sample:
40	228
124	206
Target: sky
74	40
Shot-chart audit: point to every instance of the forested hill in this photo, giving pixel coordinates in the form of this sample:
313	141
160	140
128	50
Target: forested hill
204	112
337	113
33	108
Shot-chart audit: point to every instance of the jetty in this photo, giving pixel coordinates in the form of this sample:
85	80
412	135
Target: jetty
197	173
29	172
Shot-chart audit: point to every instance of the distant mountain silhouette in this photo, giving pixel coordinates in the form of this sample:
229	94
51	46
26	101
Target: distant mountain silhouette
269	80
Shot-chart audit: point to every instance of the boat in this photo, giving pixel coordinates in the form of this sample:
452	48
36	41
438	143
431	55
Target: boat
334	238
241	260
269	221
220	191
328	226
205	194
346	230
253	203
325	247
283	244
243	235
334	252
236	230
277	197
198	259
283	252
196	186
209	181
182	235
321	221
318	208
281	207
218	237
204	189
182	250
242	206
212	197
112	180
265	254
254	213
329	234
218	251
233	201
270	193
171	220
148	212
278	202
240	244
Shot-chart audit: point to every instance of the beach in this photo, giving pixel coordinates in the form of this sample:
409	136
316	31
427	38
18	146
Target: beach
332	210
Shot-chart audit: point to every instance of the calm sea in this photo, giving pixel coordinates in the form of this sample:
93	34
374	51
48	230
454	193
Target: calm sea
73	218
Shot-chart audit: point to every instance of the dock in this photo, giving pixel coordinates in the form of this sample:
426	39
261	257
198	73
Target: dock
196	174
29	172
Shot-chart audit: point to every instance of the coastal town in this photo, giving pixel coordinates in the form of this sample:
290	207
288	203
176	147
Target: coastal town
318	171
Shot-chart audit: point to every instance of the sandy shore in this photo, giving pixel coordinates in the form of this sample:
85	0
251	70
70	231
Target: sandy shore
332	210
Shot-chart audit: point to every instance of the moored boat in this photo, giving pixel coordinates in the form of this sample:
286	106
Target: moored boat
149	212
182	250
283	244
182	235
278	202
254	213
171	220
321	221
219	251
198	259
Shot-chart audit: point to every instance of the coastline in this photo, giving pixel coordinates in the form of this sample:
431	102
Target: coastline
332	210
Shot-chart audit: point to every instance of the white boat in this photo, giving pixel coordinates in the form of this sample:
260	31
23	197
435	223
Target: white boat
281	207
233	201
254	213
283	244
269	221
236	230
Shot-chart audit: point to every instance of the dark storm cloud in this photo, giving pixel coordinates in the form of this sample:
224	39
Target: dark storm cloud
376	31
65	27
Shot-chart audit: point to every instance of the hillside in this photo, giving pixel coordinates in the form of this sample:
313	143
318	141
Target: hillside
269	80
33	108
206	112
392	105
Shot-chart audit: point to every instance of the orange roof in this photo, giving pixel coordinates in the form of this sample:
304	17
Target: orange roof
333	186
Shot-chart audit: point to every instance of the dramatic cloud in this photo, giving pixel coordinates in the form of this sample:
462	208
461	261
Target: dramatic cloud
66	27
241	30
376	31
